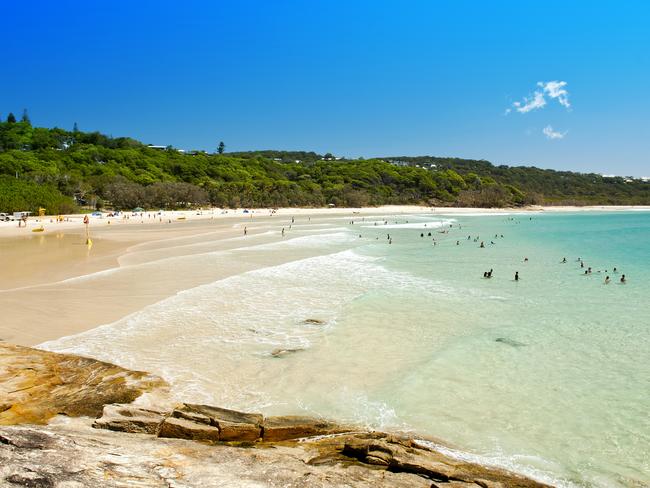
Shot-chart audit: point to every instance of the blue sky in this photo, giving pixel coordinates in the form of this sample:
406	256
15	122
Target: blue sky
356	78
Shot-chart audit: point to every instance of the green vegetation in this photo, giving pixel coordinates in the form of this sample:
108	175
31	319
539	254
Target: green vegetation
58	169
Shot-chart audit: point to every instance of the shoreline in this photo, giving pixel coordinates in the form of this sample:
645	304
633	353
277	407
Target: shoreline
82	401
55	270
75	221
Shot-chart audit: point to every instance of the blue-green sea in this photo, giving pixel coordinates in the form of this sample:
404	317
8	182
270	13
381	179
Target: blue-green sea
548	375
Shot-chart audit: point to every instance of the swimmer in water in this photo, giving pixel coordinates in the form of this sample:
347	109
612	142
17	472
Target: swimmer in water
482	244
516	275
623	281
607	280
563	260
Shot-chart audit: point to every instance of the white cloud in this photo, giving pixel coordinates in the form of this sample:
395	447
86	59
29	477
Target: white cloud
537	101
553	89
552	134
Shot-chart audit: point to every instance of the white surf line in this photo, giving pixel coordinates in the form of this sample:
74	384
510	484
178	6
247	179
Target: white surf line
48	344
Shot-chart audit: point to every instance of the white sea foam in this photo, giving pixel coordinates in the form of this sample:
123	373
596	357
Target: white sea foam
431	224
515	463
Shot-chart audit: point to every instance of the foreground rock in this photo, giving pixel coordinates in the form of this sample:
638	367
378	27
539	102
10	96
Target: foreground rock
190	445
35	385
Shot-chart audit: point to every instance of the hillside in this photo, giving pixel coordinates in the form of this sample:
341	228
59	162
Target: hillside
62	170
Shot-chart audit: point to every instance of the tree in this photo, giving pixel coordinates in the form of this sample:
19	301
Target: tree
221	147
75	127
11	118
25	117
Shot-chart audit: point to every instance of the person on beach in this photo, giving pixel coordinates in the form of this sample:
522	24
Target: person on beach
607	280
623	281
245	230
282	231
516	275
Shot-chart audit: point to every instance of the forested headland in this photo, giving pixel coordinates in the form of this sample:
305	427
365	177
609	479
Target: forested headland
65	171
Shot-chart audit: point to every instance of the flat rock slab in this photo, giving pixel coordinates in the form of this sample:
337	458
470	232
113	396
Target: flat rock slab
233	425
127	418
177	428
288	427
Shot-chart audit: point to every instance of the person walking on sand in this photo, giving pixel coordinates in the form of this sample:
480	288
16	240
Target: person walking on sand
245	230
282	231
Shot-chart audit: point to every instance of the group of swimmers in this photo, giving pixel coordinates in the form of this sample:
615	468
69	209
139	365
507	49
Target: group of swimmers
588	272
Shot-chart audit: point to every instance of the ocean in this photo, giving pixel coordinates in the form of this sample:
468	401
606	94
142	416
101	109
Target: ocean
391	324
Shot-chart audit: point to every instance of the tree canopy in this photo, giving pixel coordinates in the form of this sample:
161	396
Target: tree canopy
61	169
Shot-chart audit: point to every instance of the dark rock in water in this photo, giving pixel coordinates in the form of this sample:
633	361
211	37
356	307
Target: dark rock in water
278	353
313	322
510	342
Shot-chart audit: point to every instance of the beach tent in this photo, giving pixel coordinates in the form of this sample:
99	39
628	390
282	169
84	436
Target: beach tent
138	209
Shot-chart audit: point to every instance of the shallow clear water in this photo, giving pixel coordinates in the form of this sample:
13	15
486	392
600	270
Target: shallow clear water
549	375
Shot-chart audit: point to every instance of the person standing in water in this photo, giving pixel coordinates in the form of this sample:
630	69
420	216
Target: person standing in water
607	280
516	275
623	281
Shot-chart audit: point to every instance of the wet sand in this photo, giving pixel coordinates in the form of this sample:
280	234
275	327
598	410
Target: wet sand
53	285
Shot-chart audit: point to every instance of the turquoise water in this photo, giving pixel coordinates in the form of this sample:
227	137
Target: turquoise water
549	375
